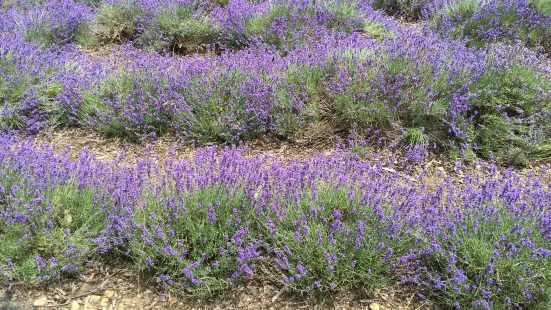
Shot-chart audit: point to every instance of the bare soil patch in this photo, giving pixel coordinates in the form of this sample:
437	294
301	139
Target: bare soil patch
105	287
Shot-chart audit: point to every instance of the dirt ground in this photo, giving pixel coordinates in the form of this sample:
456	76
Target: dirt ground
430	172
106	149
121	288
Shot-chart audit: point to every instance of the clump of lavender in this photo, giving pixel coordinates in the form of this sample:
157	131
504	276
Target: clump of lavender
28	88
181	28
49	22
491	253
482	22
48	223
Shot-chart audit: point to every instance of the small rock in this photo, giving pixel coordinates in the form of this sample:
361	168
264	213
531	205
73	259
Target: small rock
128	301
277	296
74	305
253	290
89	302
104	302
85	287
109	293
61	291
41	302
374	306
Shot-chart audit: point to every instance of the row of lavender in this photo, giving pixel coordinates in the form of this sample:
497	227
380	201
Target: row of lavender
480	22
307	76
185	26
327	223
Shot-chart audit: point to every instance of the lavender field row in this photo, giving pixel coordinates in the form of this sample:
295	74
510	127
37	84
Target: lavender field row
325	224
468	79
299	70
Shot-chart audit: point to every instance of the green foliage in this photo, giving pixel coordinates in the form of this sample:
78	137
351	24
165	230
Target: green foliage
13	91
385	4
410	9
360	245
261	25
202	223
497	136
541	150
374	29
48	35
60	236
542	6
345	17
459	9
93	108
505	98
195	237
184	29
492	247
19	82
221	2
92	3
116	23
88	39
414	137
502	119
19	3
109	107
304	83
58	116
366	104
218	108
513	25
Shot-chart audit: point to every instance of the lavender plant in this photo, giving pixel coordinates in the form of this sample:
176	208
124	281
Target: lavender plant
27	96
181	29
49	22
118	21
483	22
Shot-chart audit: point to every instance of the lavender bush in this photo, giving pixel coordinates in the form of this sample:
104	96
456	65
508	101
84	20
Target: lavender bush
48	22
27	86
480	22
483	22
